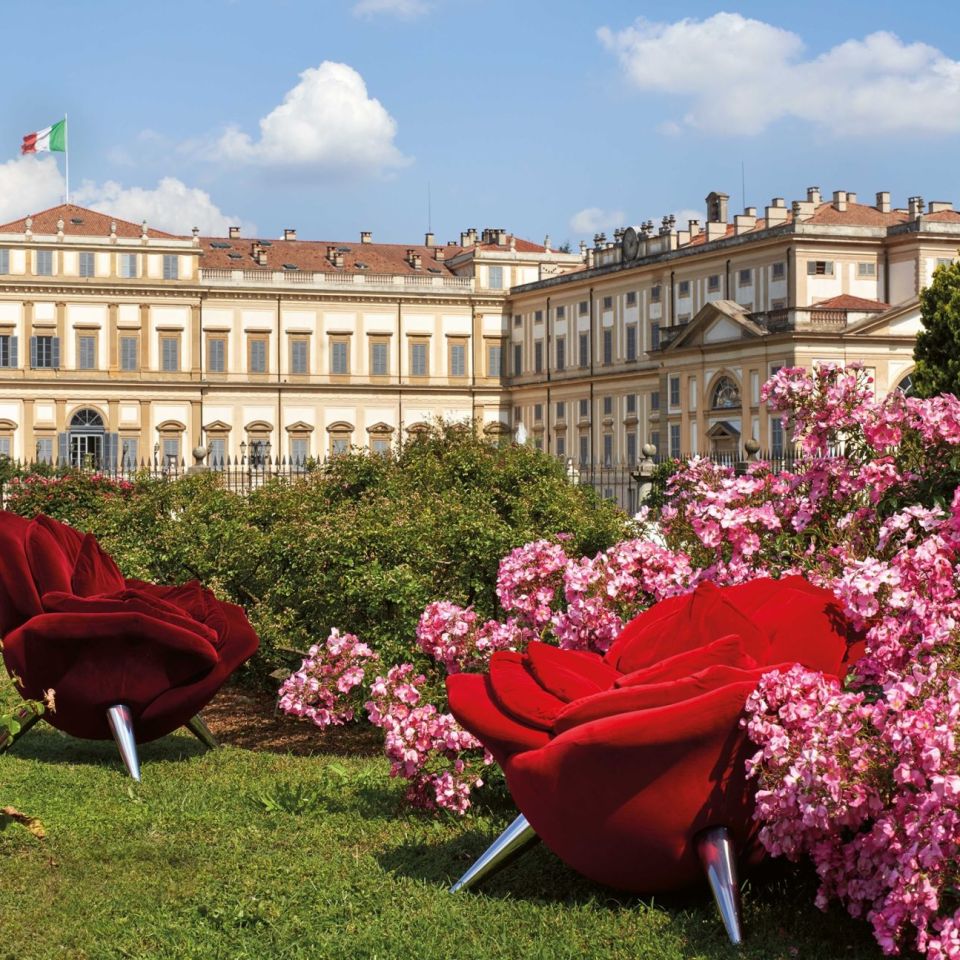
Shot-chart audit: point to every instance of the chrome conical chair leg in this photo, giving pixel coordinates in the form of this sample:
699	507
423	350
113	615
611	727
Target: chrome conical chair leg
510	844
715	847
202	732
121	726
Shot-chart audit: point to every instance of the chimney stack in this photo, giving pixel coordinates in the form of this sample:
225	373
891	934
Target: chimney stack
234	233
813	195
338	259
262	257
693	226
501	237
915	206
883	201
936	206
851	197
366	236
439	255
840	200
717	207
428	240
776	213
332	255
289	234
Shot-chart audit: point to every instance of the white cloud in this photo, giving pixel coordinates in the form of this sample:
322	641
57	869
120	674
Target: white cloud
592	220
170	206
28	185
31	184
739	75
405	9
684	216
327	124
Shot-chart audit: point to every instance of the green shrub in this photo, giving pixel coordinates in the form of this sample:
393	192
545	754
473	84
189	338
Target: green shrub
363	544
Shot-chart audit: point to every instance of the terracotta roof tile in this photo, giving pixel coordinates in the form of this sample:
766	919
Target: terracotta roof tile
943	216
91	223
856	215
311	256
846	301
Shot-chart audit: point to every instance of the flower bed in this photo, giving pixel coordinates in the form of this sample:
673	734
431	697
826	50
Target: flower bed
862	776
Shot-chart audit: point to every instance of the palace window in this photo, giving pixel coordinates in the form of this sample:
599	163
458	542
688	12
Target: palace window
655	293
494	359
127	265
171	266
583	308
631	331
418	358
380	357
299	356
561	411
778	271
561	312
631	298
584	350
713	283
607	347
867	269
517	359
4	261
607	406
44	352
339	357
217	354
608	303
561	349
170	354
655	336
44	263
820	268
257	354
674	391
745	278
538	356
495	278
86	352
683	288
726	395
457	358
87	265
8	350
584	408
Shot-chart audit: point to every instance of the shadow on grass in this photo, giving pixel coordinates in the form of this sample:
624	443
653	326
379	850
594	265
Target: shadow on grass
778	897
48	745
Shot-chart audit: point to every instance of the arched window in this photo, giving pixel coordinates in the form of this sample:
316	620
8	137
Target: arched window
726	395
86	439
906	385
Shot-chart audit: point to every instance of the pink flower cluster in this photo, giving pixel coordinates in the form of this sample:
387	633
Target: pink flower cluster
326	688
453	636
424	745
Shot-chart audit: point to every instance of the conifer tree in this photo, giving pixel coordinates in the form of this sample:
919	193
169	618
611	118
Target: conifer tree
937	352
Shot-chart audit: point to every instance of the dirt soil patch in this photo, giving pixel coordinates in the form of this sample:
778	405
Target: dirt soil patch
244	717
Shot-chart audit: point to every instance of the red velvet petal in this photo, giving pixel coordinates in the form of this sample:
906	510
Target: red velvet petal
621	799
95	572
19	599
128	601
69	538
727	650
569	674
93	661
516	691
643	635
620	700
52	569
472	703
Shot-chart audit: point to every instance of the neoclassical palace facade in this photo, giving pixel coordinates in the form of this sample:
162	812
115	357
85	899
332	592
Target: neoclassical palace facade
121	343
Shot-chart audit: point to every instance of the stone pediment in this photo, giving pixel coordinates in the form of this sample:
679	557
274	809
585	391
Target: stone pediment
903	320
720	321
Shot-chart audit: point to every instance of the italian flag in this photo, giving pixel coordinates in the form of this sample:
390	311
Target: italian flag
50	138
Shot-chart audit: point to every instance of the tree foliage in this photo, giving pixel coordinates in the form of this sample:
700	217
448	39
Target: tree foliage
937	352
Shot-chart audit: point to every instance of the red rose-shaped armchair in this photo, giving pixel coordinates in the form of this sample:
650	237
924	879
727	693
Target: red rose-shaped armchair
72	623
620	762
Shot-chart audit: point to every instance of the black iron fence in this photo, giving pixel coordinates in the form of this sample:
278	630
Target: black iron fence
628	484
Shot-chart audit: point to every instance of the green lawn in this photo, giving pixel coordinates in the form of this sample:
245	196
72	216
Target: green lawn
193	863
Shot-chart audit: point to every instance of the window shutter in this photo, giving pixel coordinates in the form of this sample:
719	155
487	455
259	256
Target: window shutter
14	359
55	352
63	445
111	442
33	352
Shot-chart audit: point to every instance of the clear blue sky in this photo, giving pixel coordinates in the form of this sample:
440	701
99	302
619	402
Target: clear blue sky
517	114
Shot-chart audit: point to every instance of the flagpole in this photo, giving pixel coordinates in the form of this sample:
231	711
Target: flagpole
66	153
